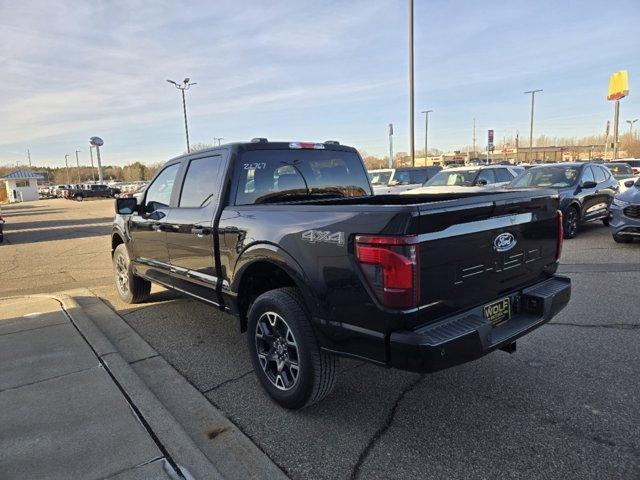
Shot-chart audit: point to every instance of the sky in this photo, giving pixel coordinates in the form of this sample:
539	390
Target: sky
303	70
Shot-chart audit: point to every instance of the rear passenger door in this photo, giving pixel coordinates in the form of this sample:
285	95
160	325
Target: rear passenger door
191	237
588	195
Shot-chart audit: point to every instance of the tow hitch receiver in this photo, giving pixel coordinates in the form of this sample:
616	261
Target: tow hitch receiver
509	348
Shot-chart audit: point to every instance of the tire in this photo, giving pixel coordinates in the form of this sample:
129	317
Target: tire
282	341
130	288
605	221
571	222
79	198
622	239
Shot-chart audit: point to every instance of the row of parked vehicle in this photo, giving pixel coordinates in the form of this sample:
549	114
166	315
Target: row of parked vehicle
588	191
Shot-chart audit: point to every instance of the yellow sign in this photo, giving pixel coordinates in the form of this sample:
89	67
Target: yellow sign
618	85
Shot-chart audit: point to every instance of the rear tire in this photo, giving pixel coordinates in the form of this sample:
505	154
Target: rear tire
79	198
622	239
285	352
571	222
130	288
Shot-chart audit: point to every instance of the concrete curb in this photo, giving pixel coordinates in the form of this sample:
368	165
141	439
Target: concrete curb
167	430
174	400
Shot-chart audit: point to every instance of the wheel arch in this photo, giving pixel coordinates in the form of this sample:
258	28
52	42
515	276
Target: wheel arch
266	267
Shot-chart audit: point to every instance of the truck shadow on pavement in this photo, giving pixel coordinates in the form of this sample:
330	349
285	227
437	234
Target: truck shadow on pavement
482	417
52	234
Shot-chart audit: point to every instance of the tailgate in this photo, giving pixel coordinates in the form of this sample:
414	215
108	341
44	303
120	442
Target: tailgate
473	252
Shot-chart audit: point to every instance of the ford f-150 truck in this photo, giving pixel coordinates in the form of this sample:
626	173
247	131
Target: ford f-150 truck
90	191
289	238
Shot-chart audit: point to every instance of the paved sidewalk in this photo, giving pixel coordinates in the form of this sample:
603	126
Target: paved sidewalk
71	408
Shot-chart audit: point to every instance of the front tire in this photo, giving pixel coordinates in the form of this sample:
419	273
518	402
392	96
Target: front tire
79	198
571	221
285	352
622	239
130	288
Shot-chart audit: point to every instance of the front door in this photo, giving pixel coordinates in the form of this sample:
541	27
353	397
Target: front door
148	229
588	195
190	234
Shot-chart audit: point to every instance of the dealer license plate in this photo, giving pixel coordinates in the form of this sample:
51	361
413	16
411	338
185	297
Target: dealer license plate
498	312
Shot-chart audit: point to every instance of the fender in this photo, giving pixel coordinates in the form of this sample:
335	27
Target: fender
271	253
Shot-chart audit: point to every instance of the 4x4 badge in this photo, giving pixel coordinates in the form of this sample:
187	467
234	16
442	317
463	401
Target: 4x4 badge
504	242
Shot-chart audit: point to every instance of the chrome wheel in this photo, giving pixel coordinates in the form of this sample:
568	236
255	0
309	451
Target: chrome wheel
122	274
277	351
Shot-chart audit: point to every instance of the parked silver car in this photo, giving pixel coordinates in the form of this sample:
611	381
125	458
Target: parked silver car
625	214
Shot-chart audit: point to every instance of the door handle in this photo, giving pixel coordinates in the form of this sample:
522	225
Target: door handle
200	231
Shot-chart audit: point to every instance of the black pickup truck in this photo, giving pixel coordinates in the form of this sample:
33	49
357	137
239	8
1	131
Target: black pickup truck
91	191
289	238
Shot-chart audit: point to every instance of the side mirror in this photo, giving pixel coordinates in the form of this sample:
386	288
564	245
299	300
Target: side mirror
126	206
629	183
589	184
393	183
482	182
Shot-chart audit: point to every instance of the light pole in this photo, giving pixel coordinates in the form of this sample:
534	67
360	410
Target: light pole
411	106
426	133
182	87
93	173
533	99
631	122
78	165
66	164
391	145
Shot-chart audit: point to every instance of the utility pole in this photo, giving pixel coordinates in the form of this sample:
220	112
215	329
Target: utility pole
29	156
391	145
183	87
93	173
66	164
630	122
218	139
606	140
474	137
426	134
78	165
533	99
411	101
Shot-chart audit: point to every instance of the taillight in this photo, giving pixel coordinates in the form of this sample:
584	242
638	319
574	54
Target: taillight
307	145
560	239
391	267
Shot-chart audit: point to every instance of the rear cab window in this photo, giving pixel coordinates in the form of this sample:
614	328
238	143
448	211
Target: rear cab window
299	174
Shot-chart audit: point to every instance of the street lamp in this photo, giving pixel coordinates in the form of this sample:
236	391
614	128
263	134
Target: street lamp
533	99
182	87
217	139
631	122
426	133
66	163
411	106
78	165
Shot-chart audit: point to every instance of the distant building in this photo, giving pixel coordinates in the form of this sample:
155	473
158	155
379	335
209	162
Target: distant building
21	186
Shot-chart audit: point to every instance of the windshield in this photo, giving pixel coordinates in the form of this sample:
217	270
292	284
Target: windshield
464	178
547	177
282	175
620	170
379	178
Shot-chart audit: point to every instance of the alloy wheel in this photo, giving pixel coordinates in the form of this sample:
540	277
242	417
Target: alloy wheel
277	350
572	222
122	274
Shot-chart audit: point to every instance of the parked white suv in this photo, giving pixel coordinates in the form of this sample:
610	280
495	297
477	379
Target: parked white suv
464	179
397	180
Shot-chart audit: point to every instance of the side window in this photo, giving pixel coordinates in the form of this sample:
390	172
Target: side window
599	173
587	175
403	177
201	183
503	175
159	192
486	174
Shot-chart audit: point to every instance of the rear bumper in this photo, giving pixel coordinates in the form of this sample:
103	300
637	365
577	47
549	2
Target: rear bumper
469	335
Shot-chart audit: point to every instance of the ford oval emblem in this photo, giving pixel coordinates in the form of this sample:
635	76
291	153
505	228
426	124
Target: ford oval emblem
504	242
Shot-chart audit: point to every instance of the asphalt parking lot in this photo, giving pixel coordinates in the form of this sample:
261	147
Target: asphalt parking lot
565	405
